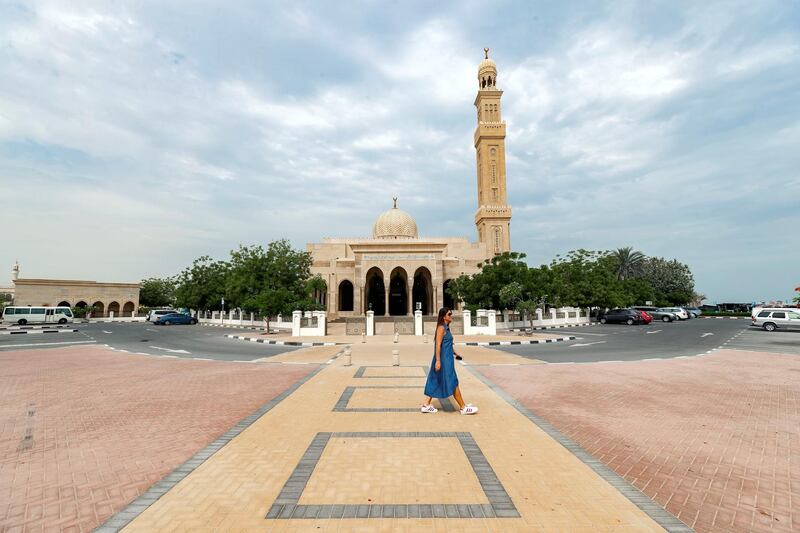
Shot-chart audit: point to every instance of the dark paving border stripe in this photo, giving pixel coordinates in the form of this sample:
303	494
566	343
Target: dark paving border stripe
286	507
121	519
660	515
343	401
284	343
360	372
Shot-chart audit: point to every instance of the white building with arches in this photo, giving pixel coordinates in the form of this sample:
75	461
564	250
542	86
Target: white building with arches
396	271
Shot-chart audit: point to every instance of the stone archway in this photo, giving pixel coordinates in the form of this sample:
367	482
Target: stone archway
98	309
398	292
128	308
345	295
448	300
113	307
375	293
64	304
423	290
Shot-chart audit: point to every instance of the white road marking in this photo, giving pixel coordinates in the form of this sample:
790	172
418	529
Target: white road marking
148	329
586	344
587	333
104	331
706	334
170	351
43	344
656	331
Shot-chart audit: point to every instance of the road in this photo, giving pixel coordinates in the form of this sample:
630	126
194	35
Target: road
199	342
612	342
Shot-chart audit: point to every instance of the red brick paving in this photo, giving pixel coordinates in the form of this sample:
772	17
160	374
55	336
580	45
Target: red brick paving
715	440
103	426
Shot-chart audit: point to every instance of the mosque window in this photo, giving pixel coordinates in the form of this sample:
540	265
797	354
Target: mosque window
494	173
498	239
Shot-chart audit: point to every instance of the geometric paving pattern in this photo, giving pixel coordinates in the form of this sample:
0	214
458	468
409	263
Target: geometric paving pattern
342	404
286	504
362	369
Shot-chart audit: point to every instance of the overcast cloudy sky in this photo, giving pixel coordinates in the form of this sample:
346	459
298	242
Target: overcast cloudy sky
137	136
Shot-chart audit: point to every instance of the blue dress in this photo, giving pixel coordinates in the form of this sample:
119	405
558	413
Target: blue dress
443	383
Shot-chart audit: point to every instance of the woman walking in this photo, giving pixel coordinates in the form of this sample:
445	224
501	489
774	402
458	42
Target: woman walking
442	379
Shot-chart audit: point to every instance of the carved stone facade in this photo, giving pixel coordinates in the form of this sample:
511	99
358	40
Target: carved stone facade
120	298
396	271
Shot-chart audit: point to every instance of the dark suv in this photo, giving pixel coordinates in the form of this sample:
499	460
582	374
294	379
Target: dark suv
621	316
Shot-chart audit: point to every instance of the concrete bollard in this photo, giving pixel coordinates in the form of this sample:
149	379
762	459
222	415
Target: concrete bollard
363	338
425	339
395	357
396	337
348	357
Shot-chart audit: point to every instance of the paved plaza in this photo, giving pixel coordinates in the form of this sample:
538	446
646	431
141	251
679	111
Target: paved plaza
96	437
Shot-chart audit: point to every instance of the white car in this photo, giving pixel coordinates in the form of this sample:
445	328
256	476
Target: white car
153	315
772	319
679	312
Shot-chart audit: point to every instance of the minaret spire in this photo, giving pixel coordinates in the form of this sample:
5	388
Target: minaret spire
493	217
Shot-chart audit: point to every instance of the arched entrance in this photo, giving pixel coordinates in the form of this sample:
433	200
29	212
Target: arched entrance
423	290
99	309
398	292
113	307
127	309
81	304
448	300
345	296
375	295
64	304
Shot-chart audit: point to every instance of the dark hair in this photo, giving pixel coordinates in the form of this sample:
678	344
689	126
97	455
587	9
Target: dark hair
440	320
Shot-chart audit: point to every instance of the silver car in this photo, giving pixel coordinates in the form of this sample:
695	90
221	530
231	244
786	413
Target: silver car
772	319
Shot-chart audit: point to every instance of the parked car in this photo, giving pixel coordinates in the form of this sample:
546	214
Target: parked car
175	318
155	313
679	312
622	316
657	314
694	312
772	319
645	316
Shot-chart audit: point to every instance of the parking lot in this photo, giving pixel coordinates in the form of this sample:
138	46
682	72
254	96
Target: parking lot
620	342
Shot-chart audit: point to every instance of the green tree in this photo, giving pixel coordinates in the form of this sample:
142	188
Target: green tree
585	278
797	298
627	262
529	307
157	292
483	289
272	281
202	285
511	295
671	280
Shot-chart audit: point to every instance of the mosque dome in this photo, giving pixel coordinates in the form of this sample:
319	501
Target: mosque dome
394	224
487	72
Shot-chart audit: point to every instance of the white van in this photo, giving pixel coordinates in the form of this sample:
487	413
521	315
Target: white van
153	315
37	315
772	319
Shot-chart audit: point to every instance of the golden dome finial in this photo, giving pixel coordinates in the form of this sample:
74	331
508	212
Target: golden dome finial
486	53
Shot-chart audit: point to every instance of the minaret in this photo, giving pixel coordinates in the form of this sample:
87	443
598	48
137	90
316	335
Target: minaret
493	217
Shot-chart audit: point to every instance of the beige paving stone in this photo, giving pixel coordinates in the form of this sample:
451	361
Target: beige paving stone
234	489
386	397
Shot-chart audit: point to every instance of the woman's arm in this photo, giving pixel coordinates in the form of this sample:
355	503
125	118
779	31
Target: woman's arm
439	338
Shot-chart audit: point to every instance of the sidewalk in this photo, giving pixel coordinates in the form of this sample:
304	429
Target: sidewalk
349	449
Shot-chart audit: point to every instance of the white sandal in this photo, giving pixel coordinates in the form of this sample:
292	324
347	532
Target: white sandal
469	409
428	409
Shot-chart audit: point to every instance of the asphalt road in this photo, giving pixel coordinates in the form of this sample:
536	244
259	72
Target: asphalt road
179	341
612	342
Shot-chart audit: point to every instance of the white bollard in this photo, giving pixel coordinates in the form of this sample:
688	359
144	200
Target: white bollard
395	357
363	338
348	358
396	337
425	339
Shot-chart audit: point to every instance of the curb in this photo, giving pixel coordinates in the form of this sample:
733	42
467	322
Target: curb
20	328
38	331
283	343
514	343
259	328
553	327
727	317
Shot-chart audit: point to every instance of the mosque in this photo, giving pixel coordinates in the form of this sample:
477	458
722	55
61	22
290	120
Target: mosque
396	271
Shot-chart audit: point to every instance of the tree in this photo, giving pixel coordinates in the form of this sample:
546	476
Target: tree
273	281
510	295
529	307
202	285
671	280
797	298
157	292
627	262
585	278
482	290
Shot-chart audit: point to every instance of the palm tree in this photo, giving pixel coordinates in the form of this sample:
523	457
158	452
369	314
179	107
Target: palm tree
628	261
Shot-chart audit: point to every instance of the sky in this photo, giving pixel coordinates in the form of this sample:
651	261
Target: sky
138	136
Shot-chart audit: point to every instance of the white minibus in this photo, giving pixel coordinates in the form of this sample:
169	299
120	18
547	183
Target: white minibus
36	315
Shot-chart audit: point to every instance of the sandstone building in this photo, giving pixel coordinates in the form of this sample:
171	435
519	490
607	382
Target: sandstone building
396	271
